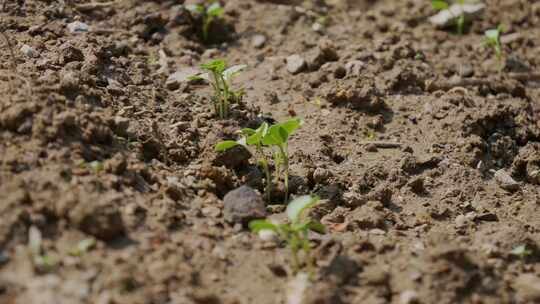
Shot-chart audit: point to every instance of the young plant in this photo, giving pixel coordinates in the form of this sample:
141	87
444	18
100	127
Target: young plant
278	139
441	5
294	233
493	39
208	13
220	77
275	137
253	138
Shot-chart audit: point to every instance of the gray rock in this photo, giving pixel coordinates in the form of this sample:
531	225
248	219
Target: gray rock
28	51
295	64
505	181
527	287
78	27
176	79
448	16
242	205
465	70
258	41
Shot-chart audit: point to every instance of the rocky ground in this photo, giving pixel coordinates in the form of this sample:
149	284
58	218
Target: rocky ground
425	153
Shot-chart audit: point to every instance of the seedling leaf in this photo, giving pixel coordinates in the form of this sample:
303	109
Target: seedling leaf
276	136
214	10
291	125
439	4
203	76
521	251
299	205
247	131
493	34
225	145
231	72
258	225
195	8
317	227
217	66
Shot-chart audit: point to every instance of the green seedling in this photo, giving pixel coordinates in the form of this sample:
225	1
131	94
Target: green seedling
493	39
253	138
82	247
444	5
275	137
220	77
41	260
208	13
294	233
278	139
522	251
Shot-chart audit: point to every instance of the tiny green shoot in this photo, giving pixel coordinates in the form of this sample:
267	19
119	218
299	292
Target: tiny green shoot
295	233
82	247
441	5
220	77
208	13
278	138
493	39
253	138
41	260
521	251
275	137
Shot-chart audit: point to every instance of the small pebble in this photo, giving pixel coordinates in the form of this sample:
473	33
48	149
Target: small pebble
78	27
295	64
211	211
258	41
28	51
505	181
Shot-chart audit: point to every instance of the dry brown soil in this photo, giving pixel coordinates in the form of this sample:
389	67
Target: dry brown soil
95	145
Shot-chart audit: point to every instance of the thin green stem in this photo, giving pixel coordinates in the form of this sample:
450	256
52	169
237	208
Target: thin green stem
264	164
226	94
461	23
306	246
294	250
284	155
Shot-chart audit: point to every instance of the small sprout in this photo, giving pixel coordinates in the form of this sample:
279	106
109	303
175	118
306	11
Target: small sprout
220	77
208	14
441	5
295	233
96	166
83	247
253	138
522	251
419	56
276	138
493	40
41	260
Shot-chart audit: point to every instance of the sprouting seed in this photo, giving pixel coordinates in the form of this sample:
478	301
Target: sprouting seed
493	40
445	5
208	13
295	233
276	138
220	77
521	251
